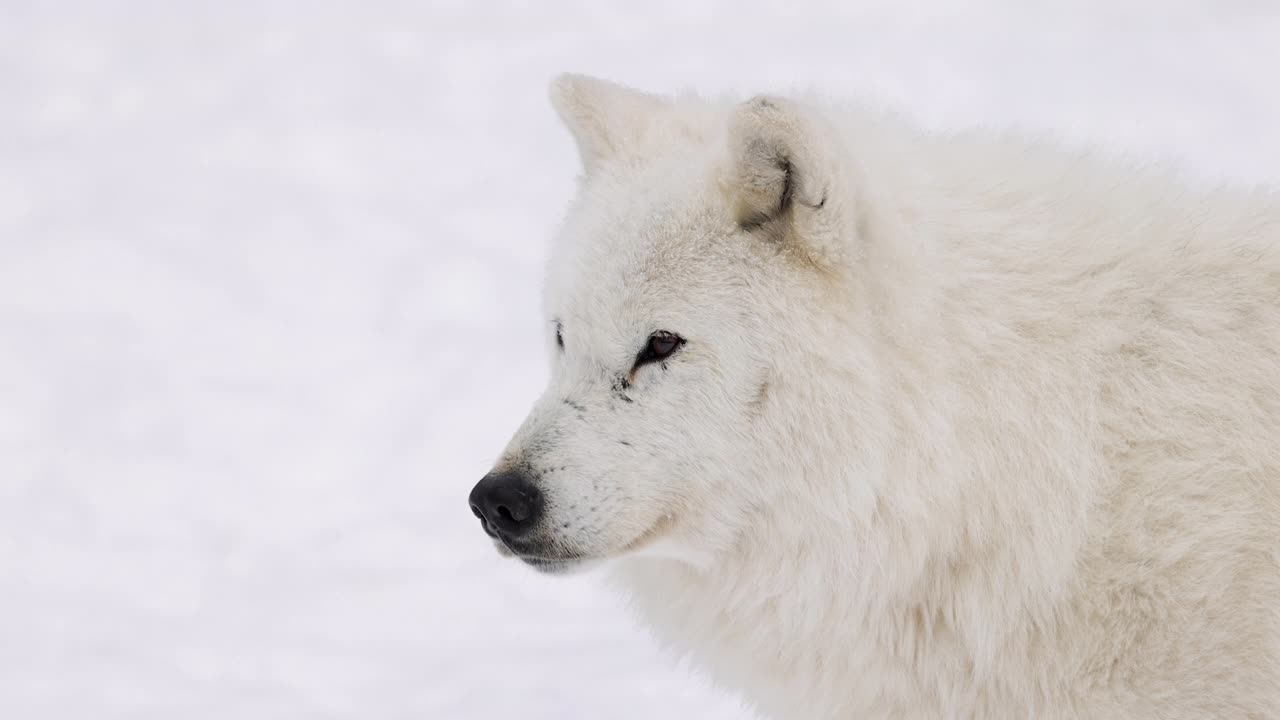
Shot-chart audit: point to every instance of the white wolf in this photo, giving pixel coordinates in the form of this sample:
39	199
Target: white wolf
874	423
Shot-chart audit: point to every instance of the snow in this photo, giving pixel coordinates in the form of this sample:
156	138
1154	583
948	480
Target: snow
269	281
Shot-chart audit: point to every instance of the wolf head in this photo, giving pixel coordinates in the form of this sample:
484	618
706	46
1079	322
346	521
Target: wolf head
709	250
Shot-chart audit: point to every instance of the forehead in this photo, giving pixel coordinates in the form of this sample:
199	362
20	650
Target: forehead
640	249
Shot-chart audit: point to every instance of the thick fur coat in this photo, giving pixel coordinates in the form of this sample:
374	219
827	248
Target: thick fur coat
962	426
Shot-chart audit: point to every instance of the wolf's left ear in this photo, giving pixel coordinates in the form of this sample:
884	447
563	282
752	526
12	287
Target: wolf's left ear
785	180
604	117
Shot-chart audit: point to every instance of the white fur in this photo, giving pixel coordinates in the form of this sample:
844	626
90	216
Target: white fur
974	427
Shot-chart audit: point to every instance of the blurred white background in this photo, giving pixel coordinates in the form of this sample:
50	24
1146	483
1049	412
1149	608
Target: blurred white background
269	279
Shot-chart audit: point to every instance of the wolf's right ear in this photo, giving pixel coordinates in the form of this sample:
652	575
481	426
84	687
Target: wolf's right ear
785	181
603	117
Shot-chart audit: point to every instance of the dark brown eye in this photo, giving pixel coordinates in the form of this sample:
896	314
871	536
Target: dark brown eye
663	345
659	347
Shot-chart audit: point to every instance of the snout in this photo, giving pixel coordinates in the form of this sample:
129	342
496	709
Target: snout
508	504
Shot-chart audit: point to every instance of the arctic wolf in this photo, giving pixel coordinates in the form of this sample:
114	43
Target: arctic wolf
876	423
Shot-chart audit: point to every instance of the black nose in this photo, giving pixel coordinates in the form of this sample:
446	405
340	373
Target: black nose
506	503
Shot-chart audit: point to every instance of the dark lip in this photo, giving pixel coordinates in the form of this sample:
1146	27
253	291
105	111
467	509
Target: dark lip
548	565
537	559
534	558
529	555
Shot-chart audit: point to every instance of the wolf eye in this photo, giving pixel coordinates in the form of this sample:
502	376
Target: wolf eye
559	336
659	347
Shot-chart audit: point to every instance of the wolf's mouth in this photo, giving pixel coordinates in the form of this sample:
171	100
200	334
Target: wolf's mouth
551	567
542	556
542	563
535	556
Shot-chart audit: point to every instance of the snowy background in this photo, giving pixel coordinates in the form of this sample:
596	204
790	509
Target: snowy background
269	281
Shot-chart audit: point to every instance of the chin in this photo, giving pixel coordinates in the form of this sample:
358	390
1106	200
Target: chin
558	567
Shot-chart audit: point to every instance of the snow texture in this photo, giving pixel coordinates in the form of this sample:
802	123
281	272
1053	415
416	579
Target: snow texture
269	306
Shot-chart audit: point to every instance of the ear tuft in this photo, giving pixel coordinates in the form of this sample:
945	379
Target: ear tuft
603	117
785	178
